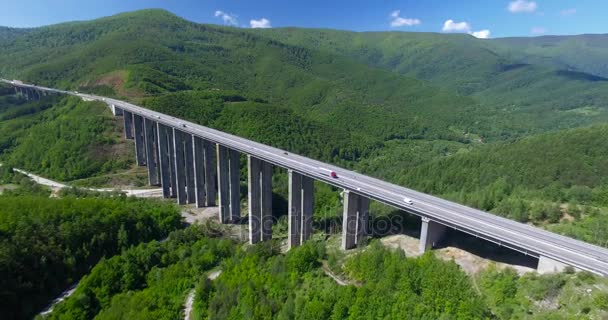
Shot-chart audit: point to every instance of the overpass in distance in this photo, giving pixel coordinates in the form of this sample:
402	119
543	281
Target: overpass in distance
196	164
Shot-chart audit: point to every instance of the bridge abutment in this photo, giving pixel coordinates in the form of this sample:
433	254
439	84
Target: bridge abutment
431	233
355	220
547	265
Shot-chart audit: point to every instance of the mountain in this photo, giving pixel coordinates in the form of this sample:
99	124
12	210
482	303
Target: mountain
586	53
510	88
377	86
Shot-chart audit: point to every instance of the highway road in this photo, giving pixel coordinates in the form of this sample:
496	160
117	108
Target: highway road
521	237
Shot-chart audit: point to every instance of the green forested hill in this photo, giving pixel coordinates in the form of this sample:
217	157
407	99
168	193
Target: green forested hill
585	52
154	52
384	85
519	93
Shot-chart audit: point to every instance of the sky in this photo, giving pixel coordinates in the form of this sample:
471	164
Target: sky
481	18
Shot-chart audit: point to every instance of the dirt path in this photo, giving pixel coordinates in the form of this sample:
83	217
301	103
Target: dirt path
330	274
56	186
188	305
64	295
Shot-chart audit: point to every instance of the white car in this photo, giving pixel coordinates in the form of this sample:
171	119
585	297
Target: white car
408	201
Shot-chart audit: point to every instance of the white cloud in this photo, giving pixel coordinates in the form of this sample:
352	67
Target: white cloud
464	27
398	21
522	6
229	19
481	34
568	12
451	26
538	30
262	23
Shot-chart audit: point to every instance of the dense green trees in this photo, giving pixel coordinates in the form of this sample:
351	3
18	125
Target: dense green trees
60	138
149	281
257	284
557	296
46	244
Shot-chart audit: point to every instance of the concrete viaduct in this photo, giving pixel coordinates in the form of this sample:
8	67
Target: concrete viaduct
200	165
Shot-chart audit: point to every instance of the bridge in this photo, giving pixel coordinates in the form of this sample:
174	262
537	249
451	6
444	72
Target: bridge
200	165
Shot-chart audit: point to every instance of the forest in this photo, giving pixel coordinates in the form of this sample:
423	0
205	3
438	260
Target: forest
48	244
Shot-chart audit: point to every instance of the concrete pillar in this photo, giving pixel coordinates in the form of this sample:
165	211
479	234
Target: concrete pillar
301	189
140	148
266	182
223	183
151	151
180	166
349	220
307	207
172	161
431	233
548	265
235	185
116	111
128	118
254	195
260	199
355	223
199	171
294	237
210	192
164	159
189	154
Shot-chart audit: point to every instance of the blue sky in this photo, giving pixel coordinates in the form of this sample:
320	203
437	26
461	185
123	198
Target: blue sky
484	18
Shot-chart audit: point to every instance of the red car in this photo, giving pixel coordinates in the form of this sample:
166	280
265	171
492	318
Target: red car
333	174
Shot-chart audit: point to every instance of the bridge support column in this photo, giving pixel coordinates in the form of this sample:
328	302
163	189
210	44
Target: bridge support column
548	265
355	220
190	178
140	148
152	151
228	184
179	151
267	218
210	179
431	233
300	208
164	158
128	119
116	111
203	173
260	200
